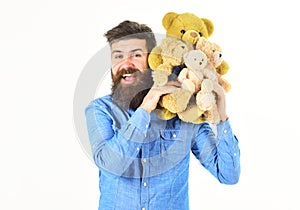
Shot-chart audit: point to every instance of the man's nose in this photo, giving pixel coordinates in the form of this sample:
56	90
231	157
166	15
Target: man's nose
127	62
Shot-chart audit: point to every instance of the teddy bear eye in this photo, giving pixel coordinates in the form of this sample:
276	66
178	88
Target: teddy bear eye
183	47
182	31
200	34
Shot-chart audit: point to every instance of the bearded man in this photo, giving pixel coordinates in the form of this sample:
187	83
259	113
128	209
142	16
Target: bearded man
143	161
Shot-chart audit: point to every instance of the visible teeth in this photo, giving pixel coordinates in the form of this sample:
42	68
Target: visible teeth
127	75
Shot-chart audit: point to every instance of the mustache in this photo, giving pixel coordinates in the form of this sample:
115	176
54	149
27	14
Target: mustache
116	78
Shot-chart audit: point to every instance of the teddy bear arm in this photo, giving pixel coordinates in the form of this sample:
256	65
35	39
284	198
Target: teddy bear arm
210	74
205	100
196	77
164	114
223	68
183	74
191	114
176	101
186	83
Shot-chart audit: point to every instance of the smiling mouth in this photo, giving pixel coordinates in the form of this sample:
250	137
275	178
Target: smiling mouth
128	77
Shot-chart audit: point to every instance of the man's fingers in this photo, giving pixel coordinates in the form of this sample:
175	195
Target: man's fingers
168	88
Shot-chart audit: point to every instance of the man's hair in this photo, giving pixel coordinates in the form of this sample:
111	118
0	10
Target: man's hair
131	30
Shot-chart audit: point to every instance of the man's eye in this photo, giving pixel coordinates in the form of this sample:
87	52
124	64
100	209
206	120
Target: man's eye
137	55
118	56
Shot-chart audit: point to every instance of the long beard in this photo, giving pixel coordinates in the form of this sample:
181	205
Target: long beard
131	96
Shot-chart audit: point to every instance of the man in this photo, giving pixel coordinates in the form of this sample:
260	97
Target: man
144	161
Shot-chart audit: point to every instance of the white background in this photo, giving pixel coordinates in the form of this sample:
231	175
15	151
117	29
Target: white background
44	46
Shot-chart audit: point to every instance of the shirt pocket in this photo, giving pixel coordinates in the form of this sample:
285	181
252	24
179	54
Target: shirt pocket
174	143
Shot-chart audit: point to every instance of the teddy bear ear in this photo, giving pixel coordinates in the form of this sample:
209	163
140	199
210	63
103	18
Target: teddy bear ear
209	25
168	19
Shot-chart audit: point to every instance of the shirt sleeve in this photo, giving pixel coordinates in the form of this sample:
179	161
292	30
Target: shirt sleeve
116	149
218	152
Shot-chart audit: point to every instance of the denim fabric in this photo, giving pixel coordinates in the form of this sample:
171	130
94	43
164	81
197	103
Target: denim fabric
144	161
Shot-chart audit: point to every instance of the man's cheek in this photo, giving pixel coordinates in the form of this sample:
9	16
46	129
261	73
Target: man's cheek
116	66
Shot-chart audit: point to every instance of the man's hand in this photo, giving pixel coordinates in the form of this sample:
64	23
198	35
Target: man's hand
151	99
221	102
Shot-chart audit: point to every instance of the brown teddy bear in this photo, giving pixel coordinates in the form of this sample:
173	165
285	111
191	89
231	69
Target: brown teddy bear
215	55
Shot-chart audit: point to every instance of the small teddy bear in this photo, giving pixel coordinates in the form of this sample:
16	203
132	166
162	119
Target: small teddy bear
215	55
171	51
197	68
198	78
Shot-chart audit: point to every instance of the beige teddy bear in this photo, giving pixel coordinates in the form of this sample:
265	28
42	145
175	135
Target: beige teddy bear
197	68
198	78
171	51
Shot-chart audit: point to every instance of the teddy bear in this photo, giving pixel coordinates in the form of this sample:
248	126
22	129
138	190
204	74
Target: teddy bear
188	27
203	107
171	50
185	26
198	78
215	55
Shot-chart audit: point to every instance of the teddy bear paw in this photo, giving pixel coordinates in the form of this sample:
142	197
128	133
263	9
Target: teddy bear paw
176	101
160	77
205	101
191	114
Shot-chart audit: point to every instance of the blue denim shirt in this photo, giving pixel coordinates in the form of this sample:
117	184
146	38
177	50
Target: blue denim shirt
144	161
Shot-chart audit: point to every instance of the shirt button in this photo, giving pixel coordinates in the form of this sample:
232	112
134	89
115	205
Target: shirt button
174	135
147	126
144	160
137	149
225	131
145	184
143	208
234	154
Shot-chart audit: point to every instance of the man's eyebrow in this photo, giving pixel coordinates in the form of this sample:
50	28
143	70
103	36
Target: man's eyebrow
134	50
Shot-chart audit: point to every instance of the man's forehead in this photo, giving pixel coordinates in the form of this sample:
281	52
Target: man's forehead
129	45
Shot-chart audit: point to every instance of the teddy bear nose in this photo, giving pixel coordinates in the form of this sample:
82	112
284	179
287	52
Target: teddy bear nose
193	34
